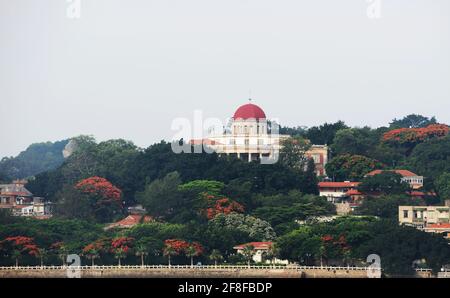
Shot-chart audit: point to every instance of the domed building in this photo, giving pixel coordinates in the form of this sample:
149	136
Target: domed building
250	136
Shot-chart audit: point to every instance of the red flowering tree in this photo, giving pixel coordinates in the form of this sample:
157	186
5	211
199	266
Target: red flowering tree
121	246
335	247
409	137
106	199
18	246
174	247
93	250
59	248
221	205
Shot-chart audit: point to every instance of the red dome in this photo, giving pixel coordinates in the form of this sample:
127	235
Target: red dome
249	111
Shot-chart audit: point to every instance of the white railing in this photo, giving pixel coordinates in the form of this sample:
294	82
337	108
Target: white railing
197	267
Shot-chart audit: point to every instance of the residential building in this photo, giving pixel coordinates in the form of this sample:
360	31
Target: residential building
414	180
259	249
433	219
21	201
337	192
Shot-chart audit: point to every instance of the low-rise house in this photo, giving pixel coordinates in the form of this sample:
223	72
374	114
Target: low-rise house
433	219
420	216
21	201
414	180
337	192
260	248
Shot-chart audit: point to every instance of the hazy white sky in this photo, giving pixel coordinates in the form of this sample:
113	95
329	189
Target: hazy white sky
126	69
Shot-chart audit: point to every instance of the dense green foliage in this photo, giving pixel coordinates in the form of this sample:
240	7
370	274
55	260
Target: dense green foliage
37	158
348	167
385	183
353	239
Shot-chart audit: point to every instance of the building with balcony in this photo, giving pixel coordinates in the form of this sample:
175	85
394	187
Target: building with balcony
21	202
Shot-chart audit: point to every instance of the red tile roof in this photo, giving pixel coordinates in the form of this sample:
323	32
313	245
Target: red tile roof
353	192
438	226
338	184
404	173
256	245
130	220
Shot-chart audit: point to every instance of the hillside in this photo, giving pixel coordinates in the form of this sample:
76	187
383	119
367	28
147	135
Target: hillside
37	158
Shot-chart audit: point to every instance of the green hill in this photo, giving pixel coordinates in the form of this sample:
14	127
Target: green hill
37	158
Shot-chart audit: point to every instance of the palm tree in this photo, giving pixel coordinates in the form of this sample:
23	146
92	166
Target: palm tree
119	254
141	251
43	254
248	252
62	253
191	252
92	255
322	251
16	254
169	251
347	257
271	254
215	256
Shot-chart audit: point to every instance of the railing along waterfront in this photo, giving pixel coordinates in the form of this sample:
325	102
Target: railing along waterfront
197	267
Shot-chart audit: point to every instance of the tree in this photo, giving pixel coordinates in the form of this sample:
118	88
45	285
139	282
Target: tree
410	137
60	248
442	185
292	154
121	246
73	204
142	252
386	206
351	167
248	252
18	246
174	247
387	182
161	196
92	251
43	255
431	158
354	141
193	250
412	121
215	256
37	158
169	251
324	134
105	198
271	253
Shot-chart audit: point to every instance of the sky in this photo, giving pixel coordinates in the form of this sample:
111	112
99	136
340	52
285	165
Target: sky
127	69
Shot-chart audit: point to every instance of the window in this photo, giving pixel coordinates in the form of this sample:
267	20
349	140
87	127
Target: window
405	213
260	142
247	142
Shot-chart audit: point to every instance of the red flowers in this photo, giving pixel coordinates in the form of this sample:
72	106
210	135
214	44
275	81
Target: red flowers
416	135
121	244
100	187
24	245
180	246
223	205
